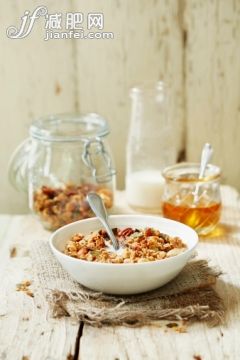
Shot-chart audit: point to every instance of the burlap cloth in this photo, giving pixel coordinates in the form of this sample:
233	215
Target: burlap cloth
189	296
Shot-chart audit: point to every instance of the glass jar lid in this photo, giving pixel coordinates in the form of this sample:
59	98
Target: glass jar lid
69	127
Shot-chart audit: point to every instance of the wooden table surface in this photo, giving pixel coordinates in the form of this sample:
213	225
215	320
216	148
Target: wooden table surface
27	332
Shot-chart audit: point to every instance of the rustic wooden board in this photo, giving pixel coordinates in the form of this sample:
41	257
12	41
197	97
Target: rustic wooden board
155	343
26	329
213	82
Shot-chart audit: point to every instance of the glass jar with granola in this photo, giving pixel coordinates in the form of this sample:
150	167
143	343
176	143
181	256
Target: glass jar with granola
65	157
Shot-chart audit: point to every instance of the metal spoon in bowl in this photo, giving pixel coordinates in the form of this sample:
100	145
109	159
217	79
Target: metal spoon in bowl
206	154
98	207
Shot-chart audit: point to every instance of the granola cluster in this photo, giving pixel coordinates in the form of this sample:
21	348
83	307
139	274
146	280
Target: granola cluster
60	206
24	286
138	246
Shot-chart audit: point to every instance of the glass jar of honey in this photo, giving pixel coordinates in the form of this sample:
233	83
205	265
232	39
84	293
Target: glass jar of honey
190	200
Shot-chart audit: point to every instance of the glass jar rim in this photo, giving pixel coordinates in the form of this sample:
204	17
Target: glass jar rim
57	127
169	173
148	88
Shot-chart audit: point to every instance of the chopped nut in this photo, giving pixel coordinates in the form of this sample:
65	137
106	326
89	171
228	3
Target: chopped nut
197	357
152	242
179	328
126	232
30	293
24	286
13	252
176	242
161	255
172	325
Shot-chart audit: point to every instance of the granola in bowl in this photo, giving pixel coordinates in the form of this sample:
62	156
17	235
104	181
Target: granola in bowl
140	245
115	276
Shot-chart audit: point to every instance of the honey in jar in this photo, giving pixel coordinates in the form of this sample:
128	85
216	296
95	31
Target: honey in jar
201	212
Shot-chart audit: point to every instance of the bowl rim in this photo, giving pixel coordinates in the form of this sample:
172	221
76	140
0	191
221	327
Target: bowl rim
102	264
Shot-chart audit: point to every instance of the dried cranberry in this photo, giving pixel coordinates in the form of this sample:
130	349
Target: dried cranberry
51	193
148	232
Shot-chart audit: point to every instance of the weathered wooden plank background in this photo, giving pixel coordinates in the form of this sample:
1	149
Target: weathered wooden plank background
213	82
193	44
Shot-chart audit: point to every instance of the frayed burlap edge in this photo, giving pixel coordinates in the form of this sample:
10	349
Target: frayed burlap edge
202	304
207	307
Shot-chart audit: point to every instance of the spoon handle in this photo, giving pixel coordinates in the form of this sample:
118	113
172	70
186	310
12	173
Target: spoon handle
97	206
205	157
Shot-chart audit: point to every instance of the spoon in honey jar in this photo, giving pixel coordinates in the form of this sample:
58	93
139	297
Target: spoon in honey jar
96	203
206	154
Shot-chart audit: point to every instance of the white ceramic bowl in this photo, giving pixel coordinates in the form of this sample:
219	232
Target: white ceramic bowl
124	278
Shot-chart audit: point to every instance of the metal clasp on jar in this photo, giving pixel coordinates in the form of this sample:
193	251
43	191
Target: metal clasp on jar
97	145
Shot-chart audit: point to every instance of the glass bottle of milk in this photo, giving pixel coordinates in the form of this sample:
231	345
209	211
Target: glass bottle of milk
149	148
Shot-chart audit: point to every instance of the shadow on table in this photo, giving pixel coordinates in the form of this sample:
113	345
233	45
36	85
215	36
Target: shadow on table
230	294
222	234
